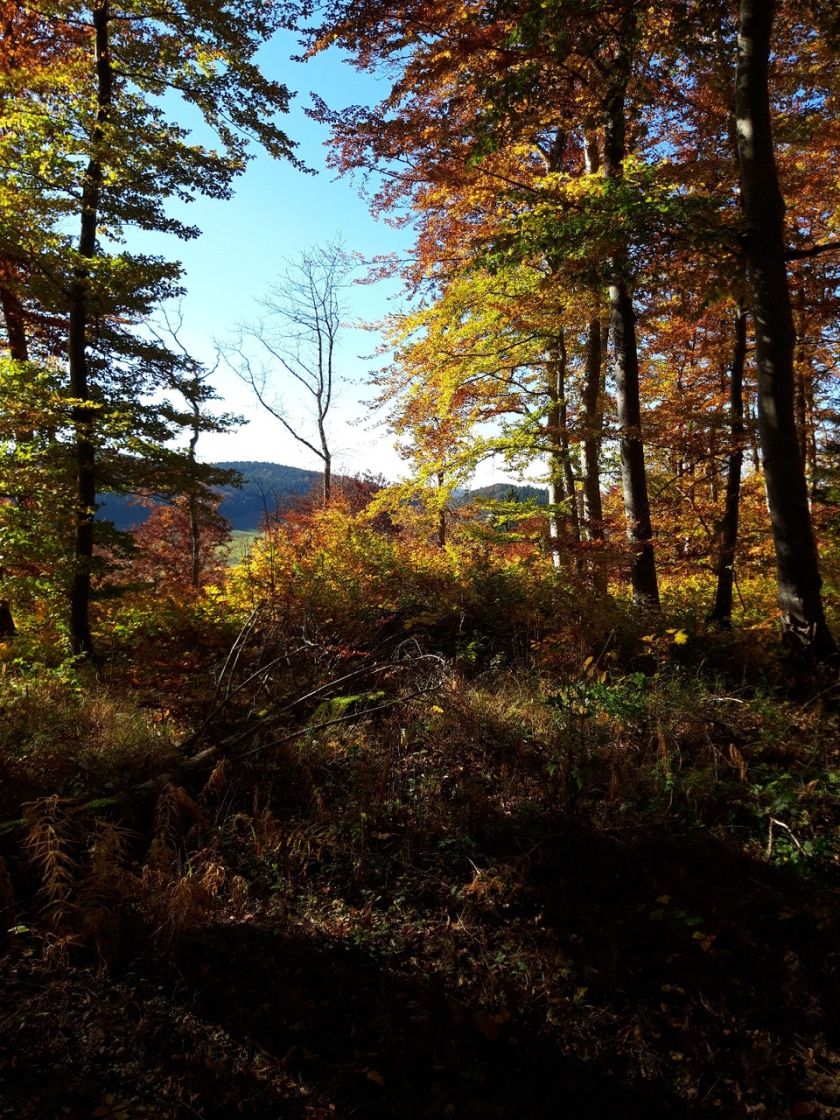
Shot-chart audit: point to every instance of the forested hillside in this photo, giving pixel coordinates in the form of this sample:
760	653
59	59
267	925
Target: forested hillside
438	800
264	487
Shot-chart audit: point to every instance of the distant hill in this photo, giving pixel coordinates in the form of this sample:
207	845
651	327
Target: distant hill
266	486
509	491
269	486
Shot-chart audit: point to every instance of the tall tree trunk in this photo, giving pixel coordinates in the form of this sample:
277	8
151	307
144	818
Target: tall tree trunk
19	352
623	328
561	359
799	408
797	568
15	323
192	502
561	486
721	611
441	517
591	419
83	414
324	453
591	400
811	459
327	480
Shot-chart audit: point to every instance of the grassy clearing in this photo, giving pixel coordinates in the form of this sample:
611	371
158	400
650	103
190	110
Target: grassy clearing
241	542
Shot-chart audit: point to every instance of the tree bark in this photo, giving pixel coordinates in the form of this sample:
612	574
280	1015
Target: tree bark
83	415
19	352
623	328
15	324
556	488
721	611
441	517
561	486
327	480
591	420
797	567
591	411
192	502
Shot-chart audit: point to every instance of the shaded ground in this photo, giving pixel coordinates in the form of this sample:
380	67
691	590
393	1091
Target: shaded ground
451	910
588	990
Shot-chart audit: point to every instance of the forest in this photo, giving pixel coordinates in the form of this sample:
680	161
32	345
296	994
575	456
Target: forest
421	798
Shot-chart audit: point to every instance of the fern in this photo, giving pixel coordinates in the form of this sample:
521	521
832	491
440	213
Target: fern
49	847
176	817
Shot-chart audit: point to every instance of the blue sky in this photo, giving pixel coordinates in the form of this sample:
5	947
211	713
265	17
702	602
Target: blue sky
276	212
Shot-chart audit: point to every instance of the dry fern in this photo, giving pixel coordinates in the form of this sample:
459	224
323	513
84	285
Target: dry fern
48	844
176	816
267	836
108	857
176	903
107	884
217	784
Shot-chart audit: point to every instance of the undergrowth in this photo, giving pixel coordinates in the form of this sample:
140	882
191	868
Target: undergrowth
380	848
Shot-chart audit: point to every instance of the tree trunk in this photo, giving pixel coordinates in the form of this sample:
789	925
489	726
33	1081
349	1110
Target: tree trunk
327	483
561	360
83	414
15	324
811	461
556	489
19	352
721	611
592	399
192	501
623	328
561	487
797	568
441	518
591	402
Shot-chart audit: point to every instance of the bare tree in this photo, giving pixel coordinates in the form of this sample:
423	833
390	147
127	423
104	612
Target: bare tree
296	339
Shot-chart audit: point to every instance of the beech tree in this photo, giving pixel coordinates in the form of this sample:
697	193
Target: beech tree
599	139
489	126
799	583
181	544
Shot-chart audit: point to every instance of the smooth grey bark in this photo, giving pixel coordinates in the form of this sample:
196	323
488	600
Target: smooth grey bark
592	401
811	458
83	415
727	541
591	418
192	500
797	567
623	328
561	485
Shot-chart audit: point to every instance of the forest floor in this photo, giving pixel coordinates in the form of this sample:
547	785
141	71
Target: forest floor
437	890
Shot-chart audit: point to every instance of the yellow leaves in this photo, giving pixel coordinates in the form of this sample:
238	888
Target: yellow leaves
704	940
